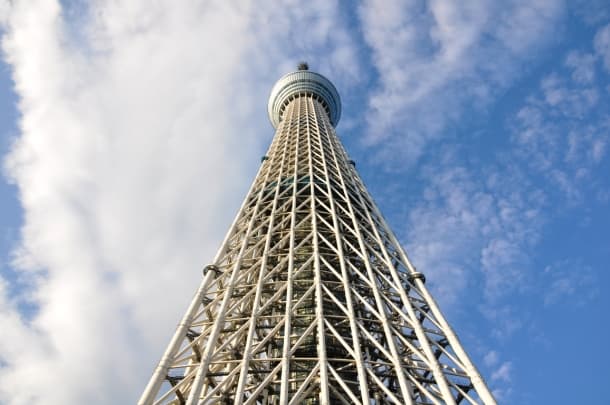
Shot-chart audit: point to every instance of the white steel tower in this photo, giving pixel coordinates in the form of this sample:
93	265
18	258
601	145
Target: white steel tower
311	298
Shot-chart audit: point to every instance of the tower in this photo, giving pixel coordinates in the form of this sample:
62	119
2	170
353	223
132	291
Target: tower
311	299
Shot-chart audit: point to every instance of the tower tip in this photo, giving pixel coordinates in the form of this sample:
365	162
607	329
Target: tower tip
303	66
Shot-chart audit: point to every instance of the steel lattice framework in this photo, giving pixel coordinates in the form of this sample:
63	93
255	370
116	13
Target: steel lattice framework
311	299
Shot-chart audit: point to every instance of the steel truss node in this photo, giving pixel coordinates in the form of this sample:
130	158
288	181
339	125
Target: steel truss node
311	299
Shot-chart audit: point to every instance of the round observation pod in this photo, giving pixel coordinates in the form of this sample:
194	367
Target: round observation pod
303	82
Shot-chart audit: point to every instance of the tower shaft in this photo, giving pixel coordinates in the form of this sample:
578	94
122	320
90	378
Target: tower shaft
311	298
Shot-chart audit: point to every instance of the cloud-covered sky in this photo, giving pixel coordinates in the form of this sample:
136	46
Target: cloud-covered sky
130	132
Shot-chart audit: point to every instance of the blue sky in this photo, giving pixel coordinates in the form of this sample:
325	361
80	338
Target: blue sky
130	132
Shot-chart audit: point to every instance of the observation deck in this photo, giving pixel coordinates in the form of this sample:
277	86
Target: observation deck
303	83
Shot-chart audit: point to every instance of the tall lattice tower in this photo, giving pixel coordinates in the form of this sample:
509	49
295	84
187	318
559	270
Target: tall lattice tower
311	299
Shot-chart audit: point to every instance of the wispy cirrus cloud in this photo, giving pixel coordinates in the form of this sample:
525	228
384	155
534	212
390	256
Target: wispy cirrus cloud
602	45
470	230
437	60
562	131
477	224
502	373
571	283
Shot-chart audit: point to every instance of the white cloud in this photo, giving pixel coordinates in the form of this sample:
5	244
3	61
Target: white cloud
571	101
437	59
570	283
501	380
5	8
562	131
583	65
602	45
506	319
444	227
503	373
491	358
140	127
469	228
503	262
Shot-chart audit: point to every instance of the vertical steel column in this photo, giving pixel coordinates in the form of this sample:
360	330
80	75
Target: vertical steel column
288	311
259	287
324	396
360	366
396	358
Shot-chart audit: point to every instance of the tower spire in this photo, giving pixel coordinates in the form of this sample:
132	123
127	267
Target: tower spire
311	299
